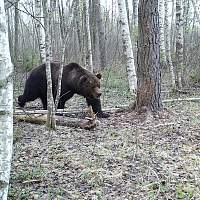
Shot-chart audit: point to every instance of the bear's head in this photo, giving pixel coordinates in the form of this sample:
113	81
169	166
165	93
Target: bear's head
90	86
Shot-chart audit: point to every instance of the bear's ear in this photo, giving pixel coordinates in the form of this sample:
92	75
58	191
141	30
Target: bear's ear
83	79
98	76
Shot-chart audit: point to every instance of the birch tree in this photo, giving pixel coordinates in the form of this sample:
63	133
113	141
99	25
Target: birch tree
135	13
89	62
6	106
78	26
51	122
16	45
10	33
148	70
173	28
134	28
40	29
179	42
63	37
196	18
101	34
162	35
94	34
127	46
167	43
64	29
128	13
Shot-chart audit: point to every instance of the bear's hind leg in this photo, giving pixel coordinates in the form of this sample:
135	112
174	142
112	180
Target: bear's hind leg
63	99
44	102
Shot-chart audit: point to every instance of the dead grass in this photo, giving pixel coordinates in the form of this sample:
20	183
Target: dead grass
125	157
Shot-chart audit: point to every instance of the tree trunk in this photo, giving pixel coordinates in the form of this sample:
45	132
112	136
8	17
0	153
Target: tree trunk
134	29
172	37
16	45
186	42
127	11
101	34
64	29
78	26
89	62
162	35
127	46
196	19
10	34
40	30
6	106
51	122
135	13
148	70
63	37
94	35
179	42
167	43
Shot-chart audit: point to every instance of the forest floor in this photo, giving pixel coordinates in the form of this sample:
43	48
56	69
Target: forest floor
126	157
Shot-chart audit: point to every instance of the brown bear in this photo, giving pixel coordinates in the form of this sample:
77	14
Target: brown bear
75	80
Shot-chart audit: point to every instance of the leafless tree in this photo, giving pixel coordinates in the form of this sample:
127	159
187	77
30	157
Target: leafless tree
148	70
127	46
16	45
101	34
40	29
167	43
6	106
162	35
89	61
179	42
51	122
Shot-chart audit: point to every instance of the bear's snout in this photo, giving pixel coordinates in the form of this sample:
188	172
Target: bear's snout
98	92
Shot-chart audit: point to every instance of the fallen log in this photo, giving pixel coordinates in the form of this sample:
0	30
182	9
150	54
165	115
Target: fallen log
179	99
88	123
63	112
19	111
40	116
125	106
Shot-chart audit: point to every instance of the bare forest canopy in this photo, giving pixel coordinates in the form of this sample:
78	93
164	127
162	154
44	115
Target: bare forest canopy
27	53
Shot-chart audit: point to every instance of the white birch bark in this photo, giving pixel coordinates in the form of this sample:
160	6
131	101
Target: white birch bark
60	76
51	122
64	28
173	28
40	29
162	35
167	43
6	106
179	42
127	12
101	34
63	36
127	46
89	63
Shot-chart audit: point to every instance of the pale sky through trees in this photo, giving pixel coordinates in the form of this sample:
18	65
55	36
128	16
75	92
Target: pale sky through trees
106	4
